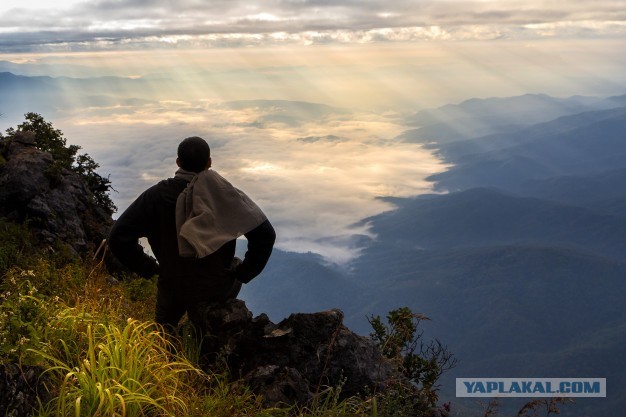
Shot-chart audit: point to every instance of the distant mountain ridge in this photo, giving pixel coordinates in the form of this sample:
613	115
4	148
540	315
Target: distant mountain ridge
481	117
21	83
458	149
585	144
604	192
54	95
20	94
484	216
526	109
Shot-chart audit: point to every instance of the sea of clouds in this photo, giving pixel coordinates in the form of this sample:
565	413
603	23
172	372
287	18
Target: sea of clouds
315	170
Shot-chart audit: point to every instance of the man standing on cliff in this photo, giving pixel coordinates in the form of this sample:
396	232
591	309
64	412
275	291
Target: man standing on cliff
191	222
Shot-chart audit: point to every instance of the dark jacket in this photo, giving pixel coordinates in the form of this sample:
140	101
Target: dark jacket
152	215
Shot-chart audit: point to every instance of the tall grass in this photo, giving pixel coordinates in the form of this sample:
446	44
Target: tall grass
123	371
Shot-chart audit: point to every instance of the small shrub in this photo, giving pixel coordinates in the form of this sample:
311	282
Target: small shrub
24	313
422	363
140	289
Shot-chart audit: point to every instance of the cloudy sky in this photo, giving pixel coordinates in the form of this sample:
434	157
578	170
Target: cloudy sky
40	25
183	68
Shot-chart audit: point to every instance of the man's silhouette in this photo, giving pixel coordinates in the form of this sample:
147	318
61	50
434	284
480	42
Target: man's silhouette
191	222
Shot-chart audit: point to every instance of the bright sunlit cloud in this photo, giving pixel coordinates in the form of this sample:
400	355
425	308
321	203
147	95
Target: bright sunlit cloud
37	4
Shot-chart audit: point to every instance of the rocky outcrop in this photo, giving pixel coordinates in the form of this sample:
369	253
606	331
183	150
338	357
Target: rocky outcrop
54	200
291	361
21	389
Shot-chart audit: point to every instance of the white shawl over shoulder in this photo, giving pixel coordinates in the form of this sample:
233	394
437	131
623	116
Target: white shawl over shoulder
211	212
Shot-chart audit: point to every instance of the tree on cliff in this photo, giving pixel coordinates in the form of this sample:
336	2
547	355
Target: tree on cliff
50	139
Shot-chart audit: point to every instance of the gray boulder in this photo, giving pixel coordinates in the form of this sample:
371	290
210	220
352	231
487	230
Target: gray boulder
293	360
55	201
21	388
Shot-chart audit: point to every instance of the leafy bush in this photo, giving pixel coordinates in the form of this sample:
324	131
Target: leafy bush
422	363
23	316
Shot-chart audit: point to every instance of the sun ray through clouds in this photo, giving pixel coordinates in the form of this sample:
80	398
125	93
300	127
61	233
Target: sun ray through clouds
304	103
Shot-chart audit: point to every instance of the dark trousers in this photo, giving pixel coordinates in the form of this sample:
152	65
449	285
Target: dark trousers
179	295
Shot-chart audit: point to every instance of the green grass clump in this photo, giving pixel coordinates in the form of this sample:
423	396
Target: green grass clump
103	354
125	371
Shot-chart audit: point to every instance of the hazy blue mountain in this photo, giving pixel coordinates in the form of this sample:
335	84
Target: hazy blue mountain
528	280
294	282
596	144
19	95
432	136
479	217
505	310
527	109
17	84
480	117
41	69
51	96
615	205
604	192
510	137
504	291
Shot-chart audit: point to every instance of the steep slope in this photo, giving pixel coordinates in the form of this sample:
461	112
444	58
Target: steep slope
482	216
